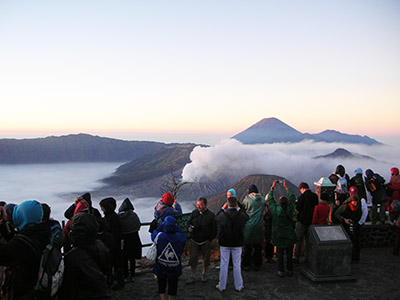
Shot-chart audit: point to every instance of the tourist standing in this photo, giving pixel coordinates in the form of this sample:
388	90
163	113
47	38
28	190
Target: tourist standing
203	229
254	205
171	241
283	234
231	220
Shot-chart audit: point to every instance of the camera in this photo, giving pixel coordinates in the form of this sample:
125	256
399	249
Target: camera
280	181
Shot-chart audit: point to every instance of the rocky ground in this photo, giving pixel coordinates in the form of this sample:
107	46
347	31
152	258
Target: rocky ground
378	277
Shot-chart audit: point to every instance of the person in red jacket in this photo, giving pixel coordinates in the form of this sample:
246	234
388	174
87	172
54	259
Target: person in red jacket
393	191
321	211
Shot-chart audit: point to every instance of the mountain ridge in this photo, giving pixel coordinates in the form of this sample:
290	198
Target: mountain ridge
273	130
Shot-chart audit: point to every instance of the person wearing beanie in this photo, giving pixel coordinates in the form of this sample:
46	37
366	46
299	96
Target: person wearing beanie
22	254
254	205
230	193
171	241
167	206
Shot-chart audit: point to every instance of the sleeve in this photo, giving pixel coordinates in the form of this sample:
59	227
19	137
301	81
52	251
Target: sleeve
213	229
300	203
315	215
364	209
178	209
271	202
339	211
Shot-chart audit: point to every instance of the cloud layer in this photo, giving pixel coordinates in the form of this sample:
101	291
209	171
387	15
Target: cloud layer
233	160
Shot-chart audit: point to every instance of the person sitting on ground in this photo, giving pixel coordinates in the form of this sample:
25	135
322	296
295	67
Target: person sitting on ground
132	249
22	253
171	241
283	234
203	229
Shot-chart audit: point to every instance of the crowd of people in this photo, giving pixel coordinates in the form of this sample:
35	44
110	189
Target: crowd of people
100	249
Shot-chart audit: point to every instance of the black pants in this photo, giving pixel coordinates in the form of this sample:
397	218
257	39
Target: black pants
289	263
172	285
252	251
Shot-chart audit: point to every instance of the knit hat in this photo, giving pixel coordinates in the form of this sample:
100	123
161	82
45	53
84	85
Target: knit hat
168	199
233	192
358	171
253	189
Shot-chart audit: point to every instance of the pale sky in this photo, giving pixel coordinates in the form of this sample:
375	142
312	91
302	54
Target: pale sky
194	68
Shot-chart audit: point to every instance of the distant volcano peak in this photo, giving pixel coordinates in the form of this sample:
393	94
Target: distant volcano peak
273	130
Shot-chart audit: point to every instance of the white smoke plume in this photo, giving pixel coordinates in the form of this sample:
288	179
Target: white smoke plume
294	161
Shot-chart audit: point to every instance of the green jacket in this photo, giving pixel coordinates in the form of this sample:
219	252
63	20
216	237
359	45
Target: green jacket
283	234
254	205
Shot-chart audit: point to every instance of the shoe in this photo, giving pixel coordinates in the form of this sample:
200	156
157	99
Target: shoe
203	277
218	288
280	274
117	286
190	280
239	290
289	273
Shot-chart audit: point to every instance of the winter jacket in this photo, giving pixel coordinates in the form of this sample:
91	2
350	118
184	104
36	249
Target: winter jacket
21	259
130	221
225	219
305	206
358	182
170	244
254	205
204	226
321	213
283	235
130	225
87	265
162	210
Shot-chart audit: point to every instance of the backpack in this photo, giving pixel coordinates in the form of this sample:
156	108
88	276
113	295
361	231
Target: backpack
57	237
51	269
233	231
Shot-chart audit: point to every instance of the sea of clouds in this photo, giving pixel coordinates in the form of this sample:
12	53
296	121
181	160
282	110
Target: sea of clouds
293	161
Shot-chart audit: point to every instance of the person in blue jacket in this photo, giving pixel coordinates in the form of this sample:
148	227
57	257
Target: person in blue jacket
171	241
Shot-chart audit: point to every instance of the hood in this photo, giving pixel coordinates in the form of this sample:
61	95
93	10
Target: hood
126	205
358	171
81	207
169	225
369	173
27	214
109	205
256	197
84	229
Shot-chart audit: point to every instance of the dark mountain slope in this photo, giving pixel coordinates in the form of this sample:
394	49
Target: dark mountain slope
73	148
